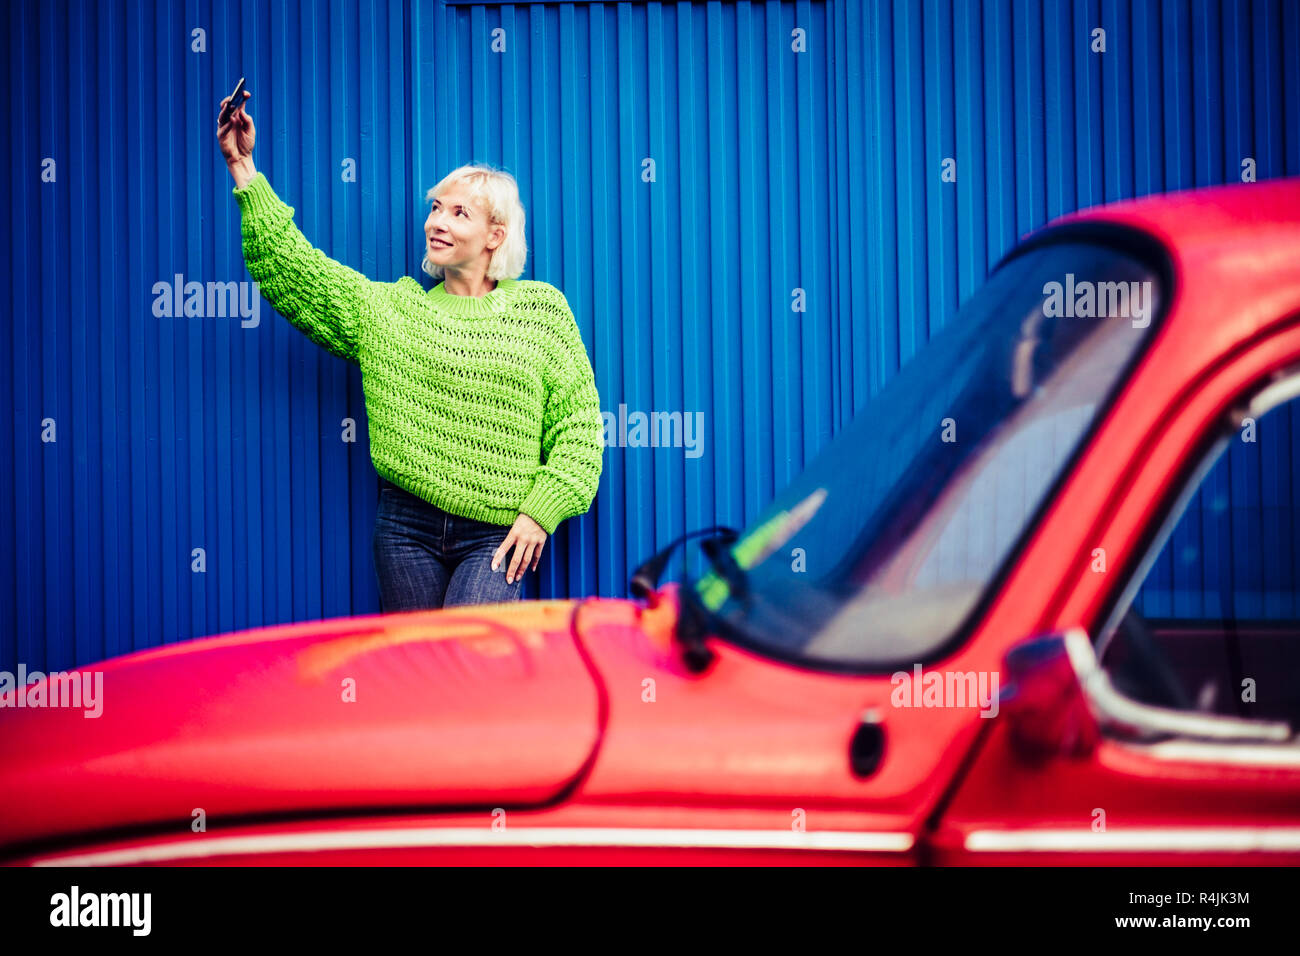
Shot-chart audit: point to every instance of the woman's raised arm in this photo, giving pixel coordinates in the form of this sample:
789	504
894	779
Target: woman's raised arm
323	298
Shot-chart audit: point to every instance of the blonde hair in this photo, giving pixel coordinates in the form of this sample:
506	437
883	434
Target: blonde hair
497	192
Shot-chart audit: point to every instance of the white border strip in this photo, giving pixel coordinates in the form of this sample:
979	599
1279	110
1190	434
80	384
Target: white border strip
1153	840
485	836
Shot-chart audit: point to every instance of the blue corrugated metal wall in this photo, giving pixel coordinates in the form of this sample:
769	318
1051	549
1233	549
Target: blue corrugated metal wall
775	169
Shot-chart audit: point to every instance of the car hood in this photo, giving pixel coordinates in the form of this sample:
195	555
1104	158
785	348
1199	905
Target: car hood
465	707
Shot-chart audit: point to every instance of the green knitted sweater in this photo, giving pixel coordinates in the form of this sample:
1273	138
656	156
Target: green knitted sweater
483	406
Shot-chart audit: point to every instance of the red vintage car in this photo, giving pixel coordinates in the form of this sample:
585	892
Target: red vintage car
996	620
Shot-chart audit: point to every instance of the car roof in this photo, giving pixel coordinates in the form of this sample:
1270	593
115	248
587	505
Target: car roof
1235	253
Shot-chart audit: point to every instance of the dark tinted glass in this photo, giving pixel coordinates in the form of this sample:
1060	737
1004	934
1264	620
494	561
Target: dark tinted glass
886	543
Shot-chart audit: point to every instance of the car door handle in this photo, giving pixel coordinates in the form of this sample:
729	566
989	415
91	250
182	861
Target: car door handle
867	747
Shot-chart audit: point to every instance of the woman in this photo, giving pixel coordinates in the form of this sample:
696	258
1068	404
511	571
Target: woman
485	425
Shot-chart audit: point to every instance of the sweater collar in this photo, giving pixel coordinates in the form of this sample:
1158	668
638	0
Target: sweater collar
495	301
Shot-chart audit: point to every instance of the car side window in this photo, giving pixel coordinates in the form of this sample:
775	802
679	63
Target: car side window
1215	624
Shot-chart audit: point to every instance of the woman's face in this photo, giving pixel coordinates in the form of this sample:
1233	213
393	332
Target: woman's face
457	233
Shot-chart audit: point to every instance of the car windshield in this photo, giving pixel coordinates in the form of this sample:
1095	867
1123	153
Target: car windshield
885	546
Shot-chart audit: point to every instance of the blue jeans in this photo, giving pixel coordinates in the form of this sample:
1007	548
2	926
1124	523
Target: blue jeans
428	558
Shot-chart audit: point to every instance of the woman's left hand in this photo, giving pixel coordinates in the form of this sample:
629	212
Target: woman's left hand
528	539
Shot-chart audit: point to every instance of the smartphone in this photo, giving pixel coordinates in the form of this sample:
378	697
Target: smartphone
236	98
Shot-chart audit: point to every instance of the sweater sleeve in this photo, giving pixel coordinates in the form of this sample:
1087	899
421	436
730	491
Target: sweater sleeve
573	444
321	297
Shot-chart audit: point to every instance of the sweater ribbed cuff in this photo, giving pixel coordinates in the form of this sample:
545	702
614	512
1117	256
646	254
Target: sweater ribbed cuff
545	504
257	199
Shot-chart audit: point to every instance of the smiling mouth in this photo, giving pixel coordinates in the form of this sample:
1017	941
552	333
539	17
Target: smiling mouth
439	244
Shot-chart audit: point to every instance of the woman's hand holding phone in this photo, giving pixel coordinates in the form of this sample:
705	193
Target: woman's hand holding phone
236	135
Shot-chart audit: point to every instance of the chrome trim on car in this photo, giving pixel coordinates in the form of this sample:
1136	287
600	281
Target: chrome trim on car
1242	755
485	836
1147	840
1284	387
1116	712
